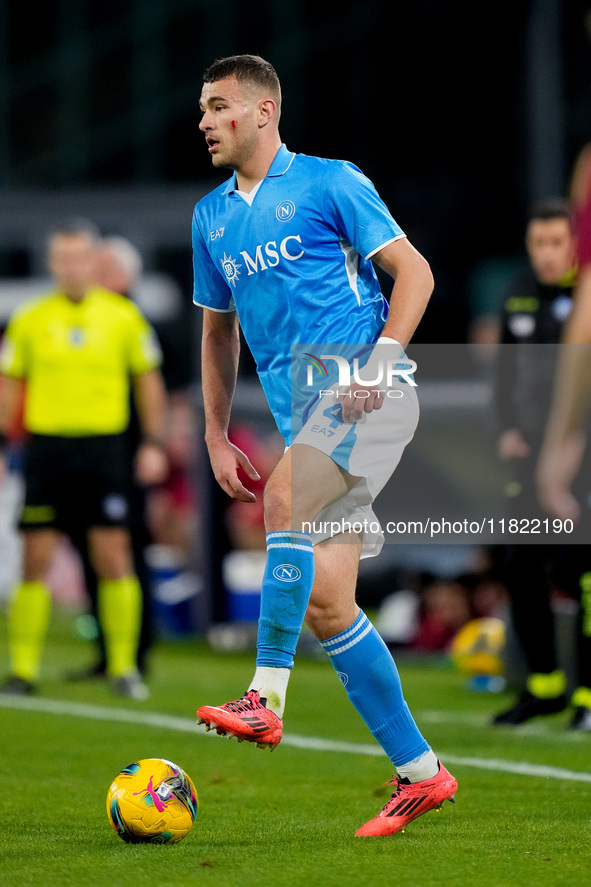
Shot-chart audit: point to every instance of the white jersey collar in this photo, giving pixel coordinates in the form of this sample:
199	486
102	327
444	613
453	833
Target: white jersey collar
281	163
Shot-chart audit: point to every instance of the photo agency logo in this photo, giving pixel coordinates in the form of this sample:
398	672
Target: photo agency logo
383	373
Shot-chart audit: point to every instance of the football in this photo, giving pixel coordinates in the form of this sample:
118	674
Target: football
152	801
478	647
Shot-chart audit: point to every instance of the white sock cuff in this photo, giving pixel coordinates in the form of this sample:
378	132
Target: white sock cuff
424	767
271	684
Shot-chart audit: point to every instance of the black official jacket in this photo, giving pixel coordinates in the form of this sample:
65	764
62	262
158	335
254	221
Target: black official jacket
533	318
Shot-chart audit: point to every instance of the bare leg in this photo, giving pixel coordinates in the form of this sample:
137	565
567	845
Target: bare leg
39	548
303	483
332	606
110	552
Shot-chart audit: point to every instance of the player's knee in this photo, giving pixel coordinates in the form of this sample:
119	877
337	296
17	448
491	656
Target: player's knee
35	568
323	620
39	547
313	620
328	616
110	553
277	507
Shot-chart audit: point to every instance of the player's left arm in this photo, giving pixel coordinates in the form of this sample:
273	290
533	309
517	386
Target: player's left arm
564	437
11	395
13	373
151	463
144	358
413	285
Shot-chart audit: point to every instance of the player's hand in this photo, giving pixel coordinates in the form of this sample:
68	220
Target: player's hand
557	467
360	400
151	464
560	503
512	445
226	459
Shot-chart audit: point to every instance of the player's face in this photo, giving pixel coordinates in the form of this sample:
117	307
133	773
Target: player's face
551	248
111	274
230	115
72	261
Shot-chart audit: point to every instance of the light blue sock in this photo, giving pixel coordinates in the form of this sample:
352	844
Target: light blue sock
367	671
287	584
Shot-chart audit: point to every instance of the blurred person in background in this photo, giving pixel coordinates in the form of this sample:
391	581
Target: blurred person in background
566	436
536	307
564	439
119	267
173	505
75	350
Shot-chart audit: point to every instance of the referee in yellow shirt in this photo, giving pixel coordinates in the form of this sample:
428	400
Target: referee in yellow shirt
75	351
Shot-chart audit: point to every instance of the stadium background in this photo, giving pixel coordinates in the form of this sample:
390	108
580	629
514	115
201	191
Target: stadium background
461	117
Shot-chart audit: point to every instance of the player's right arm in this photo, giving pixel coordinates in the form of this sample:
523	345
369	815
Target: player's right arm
13	371
11	393
220	351
219	362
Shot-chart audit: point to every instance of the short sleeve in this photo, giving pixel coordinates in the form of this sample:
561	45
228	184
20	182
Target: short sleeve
357	211
13	349
144	349
210	289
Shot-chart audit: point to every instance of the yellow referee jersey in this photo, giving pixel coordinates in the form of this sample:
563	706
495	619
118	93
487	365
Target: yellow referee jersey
77	358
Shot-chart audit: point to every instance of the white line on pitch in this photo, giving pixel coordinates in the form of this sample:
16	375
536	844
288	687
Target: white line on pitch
311	743
537	731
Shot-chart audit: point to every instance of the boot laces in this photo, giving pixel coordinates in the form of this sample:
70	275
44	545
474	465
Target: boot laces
398	784
248	702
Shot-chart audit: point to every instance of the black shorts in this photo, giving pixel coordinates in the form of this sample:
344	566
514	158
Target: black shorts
76	481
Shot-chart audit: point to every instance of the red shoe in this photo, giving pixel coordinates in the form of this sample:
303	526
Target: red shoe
248	719
410	799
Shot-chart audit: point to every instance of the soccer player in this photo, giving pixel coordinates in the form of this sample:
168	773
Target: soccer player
75	349
538	303
284	249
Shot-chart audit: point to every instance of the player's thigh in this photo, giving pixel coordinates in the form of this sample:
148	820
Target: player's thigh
303	483
332	606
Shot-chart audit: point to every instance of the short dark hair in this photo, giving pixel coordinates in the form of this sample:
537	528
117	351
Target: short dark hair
247	69
73	226
551	208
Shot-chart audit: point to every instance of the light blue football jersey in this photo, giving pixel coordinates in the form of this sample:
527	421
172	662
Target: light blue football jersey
295	263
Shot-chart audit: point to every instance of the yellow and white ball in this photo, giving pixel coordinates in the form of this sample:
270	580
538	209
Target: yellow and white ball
152	801
478	647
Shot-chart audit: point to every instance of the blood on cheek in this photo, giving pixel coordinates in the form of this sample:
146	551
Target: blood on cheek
233	124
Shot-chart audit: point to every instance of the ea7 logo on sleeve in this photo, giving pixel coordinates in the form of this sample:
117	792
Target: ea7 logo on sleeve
287	573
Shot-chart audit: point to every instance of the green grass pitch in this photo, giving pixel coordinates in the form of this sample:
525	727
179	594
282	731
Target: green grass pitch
285	819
